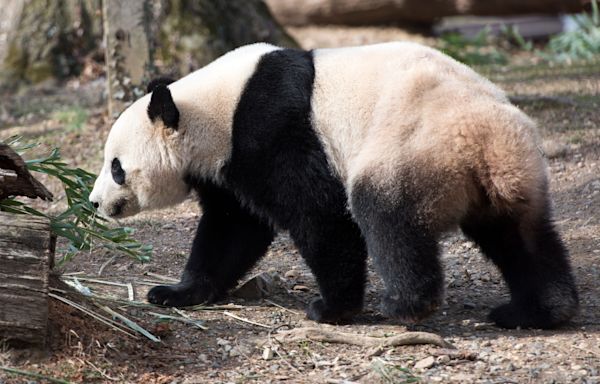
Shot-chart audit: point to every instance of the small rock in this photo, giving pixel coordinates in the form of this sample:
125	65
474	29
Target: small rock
291	274
302	288
203	358
123	267
468	305
443	359
257	287
267	353
463	378
425	363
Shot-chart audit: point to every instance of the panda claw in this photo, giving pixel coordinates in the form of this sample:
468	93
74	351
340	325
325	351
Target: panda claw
511	316
180	295
319	312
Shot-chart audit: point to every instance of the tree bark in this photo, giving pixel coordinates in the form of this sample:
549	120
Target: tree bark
173	37
46	39
192	33
128	56
26	257
366	12
52	39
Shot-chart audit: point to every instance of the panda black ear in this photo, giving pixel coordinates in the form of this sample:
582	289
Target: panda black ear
162	106
159	80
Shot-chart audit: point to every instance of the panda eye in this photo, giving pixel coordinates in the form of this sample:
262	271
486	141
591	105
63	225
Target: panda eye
118	173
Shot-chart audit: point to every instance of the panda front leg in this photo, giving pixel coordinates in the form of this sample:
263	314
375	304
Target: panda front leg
335	252
229	241
404	251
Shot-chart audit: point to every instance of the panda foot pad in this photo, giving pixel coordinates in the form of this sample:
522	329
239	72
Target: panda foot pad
512	316
179	295
319	312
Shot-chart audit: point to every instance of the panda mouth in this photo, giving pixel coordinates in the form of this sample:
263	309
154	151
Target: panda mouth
118	208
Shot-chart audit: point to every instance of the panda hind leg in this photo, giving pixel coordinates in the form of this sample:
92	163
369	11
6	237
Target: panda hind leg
534	263
404	250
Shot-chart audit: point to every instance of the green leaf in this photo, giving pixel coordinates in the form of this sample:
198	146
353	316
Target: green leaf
79	223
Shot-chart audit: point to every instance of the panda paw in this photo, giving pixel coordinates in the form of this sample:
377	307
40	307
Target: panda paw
318	311
512	316
409	311
181	295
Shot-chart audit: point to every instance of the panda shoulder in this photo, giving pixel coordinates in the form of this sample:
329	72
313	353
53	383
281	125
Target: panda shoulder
256	49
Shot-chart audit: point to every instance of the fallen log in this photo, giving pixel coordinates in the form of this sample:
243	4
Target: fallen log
370	12
15	179
26	258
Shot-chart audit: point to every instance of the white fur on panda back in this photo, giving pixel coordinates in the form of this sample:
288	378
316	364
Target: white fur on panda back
377	90
207	100
405	113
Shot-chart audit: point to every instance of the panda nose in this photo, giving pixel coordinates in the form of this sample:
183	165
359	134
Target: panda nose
95	204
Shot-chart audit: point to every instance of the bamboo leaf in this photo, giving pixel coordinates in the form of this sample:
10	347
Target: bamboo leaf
79	223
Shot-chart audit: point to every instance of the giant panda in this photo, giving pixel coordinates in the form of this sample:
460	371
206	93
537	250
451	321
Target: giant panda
372	150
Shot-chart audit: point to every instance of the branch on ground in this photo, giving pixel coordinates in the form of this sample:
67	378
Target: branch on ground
16	179
331	336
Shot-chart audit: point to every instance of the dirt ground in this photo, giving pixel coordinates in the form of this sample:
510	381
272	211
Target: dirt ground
245	348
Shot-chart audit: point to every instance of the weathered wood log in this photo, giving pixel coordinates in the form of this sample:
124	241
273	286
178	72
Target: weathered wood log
15	179
366	12
26	258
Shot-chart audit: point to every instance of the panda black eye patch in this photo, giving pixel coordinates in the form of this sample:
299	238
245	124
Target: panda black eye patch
117	172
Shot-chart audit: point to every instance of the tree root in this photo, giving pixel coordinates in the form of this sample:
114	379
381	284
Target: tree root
330	336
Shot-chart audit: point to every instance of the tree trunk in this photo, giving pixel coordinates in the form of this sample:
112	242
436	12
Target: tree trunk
26	257
128	56
174	37
51	39
192	33
365	12
46	39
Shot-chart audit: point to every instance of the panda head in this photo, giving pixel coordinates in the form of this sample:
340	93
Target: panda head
143	166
